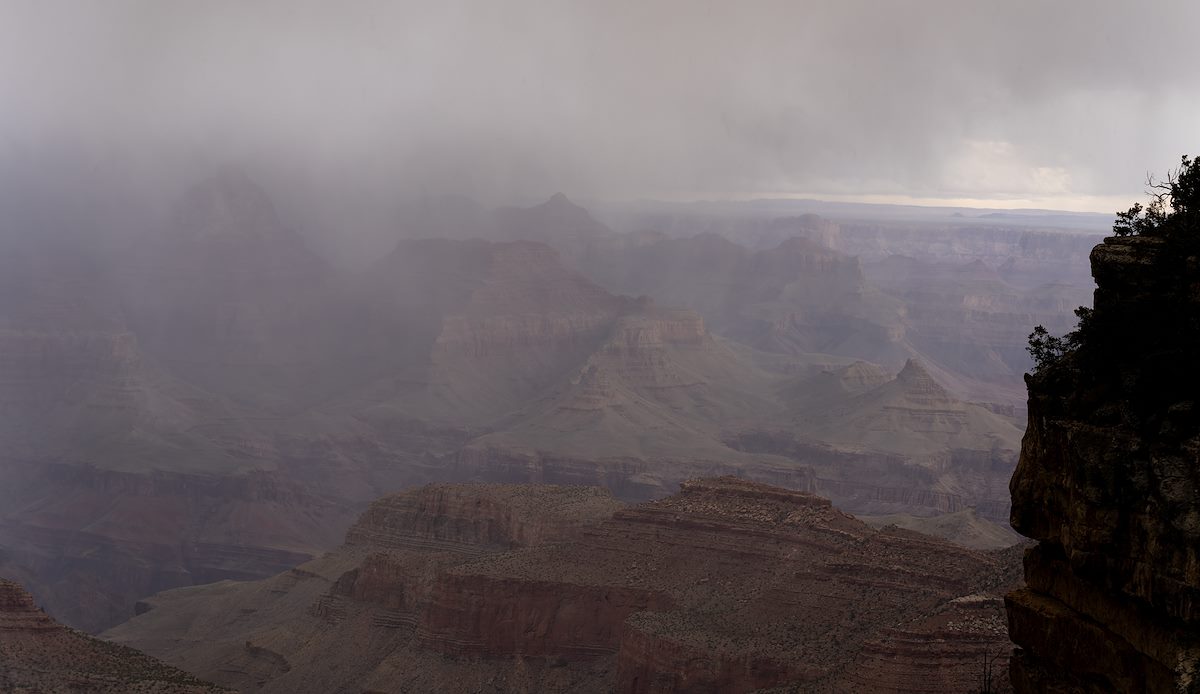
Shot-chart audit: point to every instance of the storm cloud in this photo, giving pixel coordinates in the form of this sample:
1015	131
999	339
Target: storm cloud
1057	103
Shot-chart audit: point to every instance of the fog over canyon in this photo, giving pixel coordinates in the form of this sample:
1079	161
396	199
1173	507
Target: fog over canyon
569	347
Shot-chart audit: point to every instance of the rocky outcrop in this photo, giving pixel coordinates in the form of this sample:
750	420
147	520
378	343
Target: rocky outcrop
881	445
361	606
1108	484
480	328
19	613
728	585
38	654
446	517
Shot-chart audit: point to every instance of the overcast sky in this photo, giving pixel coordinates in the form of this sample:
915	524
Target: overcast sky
1052	104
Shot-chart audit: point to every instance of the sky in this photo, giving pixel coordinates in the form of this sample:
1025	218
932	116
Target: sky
1058	105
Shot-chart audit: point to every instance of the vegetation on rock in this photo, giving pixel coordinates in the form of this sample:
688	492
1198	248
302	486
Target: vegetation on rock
1173	215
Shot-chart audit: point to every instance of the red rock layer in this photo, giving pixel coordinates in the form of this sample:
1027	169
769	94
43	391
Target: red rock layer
472	615
729	585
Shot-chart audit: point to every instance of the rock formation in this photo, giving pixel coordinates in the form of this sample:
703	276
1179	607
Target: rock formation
972	323
728	585
959	297
206	398
1108	484
884	445
558	223
794	298
38	654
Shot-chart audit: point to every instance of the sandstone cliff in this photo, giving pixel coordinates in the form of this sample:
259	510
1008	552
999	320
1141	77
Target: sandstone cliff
1109	485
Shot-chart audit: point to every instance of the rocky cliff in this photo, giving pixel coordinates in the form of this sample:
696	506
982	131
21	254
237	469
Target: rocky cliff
38	654
1109	485
727	585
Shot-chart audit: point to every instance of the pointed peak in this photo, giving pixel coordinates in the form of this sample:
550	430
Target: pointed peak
559	200
913	370
916	378
228	203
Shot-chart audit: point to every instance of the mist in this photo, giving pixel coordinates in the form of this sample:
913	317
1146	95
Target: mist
1063	105
631	346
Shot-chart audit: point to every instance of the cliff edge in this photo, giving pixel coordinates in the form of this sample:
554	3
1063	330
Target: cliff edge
1108	483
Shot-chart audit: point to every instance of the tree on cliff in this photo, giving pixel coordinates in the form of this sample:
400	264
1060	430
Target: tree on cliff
1047	349
1174	205
1173	213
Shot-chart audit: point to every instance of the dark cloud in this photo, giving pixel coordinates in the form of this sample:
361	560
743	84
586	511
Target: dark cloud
1028	100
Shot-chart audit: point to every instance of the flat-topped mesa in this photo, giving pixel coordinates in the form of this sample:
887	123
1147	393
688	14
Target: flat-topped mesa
799	257
655	327
472	518
1109	484
727	495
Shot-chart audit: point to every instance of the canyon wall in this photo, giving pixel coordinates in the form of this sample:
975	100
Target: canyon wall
728	585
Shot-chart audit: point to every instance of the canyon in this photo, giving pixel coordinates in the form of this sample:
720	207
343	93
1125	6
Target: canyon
592	348
725	585
204	397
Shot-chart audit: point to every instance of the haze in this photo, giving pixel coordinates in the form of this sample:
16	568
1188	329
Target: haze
669	346
1059	105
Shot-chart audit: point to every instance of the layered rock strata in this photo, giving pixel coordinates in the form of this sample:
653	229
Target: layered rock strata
728	585
38	654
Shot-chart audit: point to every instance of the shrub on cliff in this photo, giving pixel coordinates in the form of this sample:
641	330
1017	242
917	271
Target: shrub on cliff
1174	206
1046	349
1173	213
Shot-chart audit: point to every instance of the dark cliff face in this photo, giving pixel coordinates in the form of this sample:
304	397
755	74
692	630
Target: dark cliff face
1108	483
